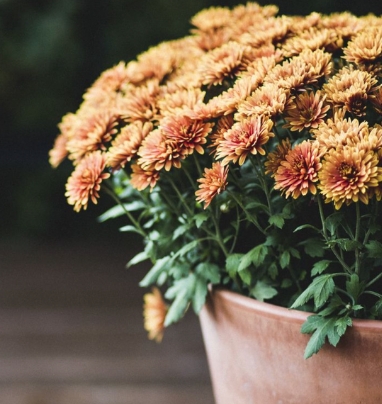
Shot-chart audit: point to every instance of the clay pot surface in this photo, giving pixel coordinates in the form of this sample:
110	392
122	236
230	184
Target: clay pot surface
256	356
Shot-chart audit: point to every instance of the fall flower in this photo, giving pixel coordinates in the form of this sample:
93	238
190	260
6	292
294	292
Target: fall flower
141	179
58	153
154	314
213	183
298	173
347	174
275	158
306	111
245	138
85	181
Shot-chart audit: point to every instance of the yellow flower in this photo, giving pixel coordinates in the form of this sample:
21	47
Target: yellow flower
154	314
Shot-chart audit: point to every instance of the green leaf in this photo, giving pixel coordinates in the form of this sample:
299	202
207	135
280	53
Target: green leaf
273	271
346	244
162	264
255	256
374	249
322	328
200	218
333	221
314	247
129	228
277	220
353	286
199	295
342	324
232	264
186	248
142	256
178	308
306	226
119	210
320	267
180	231
263	291
245	275
208	271
376	310
320	290
284	259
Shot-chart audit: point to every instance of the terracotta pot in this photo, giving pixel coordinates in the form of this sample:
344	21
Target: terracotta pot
255	353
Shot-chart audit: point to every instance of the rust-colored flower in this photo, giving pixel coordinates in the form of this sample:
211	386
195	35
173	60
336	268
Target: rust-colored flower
244	138
186	133
180	101
141	179
223	125
59	152
298	173
154	314
223	63
125	146
306	111
213	183
85	182
348	174
157	152
269	99
276	157
350	88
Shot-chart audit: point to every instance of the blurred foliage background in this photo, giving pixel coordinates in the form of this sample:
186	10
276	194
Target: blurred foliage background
50	52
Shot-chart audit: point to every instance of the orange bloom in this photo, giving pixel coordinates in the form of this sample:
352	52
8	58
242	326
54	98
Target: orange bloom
276	157
157	152
141	179
298	173
244	138
187	134
85	181
213	183
125	146
154	314
348	174
307	111
58	153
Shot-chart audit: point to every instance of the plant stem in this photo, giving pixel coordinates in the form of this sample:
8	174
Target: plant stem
357	232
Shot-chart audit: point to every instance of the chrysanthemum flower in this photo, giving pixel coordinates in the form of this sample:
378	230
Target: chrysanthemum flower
186	133
157	152
223	125
154	314
298	173
141	179
93	131
276	157
126	144
350	88
348	174
180	101
269	99
223	63
59	152
306	111
85	182
366	47
345	24
213	183
245	138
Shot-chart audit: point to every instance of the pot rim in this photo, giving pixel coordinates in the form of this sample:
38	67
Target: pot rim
271	310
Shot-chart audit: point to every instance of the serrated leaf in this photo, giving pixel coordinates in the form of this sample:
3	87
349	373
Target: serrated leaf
342	324
374	249
320	290
347	244
320	267
333	221
209	271
179	231
255	256
186	248
262	291
232	264
353	286
314	247
306	226
177	308
322	328
277	220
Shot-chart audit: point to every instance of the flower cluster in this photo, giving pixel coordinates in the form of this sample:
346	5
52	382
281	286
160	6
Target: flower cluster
247	154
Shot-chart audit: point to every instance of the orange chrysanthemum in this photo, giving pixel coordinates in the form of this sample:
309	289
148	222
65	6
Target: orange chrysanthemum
348	174
125	146
351	89
157	152
245	138
306	111
213	183
141	179
85	182
187	134
276	157
59	152
154	314
298	173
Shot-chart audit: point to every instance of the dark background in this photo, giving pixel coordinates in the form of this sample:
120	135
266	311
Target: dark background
50	52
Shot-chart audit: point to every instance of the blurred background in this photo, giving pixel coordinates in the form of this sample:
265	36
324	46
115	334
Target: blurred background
70	314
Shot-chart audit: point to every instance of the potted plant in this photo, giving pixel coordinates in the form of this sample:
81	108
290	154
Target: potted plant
248	157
